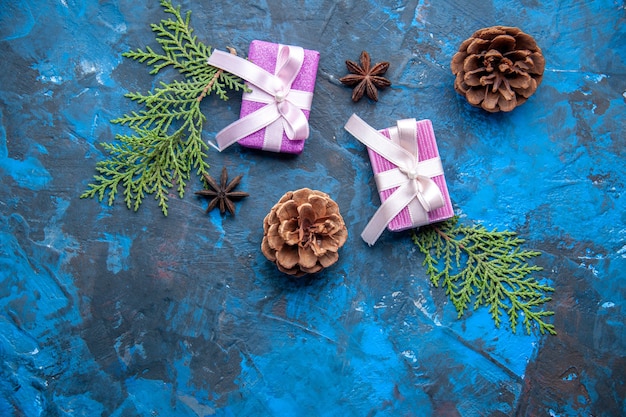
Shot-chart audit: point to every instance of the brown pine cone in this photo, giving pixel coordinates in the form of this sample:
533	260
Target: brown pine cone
303	232
498	68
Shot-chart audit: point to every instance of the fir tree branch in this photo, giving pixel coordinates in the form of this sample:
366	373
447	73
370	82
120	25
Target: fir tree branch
166	145
478	267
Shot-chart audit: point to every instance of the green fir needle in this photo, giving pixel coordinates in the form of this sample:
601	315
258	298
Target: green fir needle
478	267
166	145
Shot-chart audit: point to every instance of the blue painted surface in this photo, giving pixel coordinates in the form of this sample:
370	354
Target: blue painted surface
104	311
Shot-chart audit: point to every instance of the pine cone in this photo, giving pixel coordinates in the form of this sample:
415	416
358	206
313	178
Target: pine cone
498	68
303	232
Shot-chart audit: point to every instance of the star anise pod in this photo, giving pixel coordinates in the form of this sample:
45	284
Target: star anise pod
222	193
366	80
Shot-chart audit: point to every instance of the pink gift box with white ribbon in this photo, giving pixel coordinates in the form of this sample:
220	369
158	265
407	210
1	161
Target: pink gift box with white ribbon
408	174
274	115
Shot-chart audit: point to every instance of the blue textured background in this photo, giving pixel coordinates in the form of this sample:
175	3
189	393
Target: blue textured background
104	311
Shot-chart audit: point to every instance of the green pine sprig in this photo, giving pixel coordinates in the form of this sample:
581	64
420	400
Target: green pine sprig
480	267
166	145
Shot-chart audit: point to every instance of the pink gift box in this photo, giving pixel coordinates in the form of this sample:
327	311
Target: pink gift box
264	54
427	146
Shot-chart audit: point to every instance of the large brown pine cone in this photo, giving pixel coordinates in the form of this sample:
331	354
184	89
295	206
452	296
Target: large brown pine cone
498	68
303	232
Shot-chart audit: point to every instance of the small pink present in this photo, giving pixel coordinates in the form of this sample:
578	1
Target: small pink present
408	174
274	115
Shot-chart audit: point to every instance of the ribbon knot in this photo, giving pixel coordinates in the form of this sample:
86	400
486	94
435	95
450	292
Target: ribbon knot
411	173
411	181
279	97
283	109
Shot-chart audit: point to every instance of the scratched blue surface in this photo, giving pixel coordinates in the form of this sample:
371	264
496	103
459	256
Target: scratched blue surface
104	311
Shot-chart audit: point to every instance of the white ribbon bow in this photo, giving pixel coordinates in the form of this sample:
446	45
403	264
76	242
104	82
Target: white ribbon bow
412	177
283	109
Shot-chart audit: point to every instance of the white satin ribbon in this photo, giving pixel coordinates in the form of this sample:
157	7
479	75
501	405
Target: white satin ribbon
283	106
412	177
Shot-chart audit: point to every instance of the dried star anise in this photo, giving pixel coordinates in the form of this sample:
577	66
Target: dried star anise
366	80
498	68
222	193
